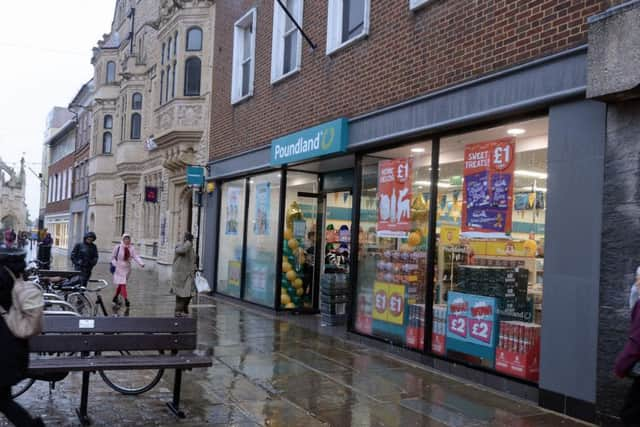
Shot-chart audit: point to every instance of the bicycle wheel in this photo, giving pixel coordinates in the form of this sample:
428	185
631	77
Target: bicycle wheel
21	387
132	382
81	303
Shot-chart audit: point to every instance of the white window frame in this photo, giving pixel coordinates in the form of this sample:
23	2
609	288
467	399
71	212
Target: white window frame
415	4
277	44
50	196
334	26
238	50
69	182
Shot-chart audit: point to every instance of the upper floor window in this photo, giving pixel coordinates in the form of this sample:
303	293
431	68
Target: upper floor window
136	101
175	43
136	126
244	44
192	77
161	86
169	49
194	39
111	72
287	40
106	143
414	4
173	81
108	121
162	54
348	21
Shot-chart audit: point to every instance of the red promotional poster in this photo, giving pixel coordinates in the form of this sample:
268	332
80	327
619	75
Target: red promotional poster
394	189
487	193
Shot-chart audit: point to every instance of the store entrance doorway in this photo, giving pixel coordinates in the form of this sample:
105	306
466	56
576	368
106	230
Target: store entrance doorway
317	249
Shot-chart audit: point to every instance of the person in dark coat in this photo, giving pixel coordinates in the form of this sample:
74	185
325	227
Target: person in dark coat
14	357
84	256
628	357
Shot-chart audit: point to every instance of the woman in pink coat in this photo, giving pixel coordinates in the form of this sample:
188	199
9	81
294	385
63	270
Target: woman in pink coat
121	260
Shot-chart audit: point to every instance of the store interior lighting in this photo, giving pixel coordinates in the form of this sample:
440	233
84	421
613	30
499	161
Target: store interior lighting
427	183
515	131
531	174
417	150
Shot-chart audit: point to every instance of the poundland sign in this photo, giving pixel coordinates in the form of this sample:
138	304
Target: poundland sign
317	141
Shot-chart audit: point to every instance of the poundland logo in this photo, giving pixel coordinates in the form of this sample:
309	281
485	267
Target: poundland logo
314	142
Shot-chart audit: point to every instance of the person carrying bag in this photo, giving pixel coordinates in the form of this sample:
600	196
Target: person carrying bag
21	306
627	366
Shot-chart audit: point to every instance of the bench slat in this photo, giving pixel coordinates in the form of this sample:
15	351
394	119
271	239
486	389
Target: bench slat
89	342
66	364
62	324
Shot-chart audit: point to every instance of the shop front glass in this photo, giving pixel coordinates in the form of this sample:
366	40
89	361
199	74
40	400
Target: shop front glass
392	255
232	217
262	238
490	253
299	241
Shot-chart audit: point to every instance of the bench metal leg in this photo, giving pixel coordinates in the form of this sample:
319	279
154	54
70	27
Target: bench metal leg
84	397
175	404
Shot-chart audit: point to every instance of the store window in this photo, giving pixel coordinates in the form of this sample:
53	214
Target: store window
490	253
392	259
299	241
262	233
232	217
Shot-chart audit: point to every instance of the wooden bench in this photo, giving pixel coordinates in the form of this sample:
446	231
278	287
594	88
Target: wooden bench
88	337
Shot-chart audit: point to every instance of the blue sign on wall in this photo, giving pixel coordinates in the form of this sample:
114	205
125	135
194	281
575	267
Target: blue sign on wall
327	138
472	324
195	175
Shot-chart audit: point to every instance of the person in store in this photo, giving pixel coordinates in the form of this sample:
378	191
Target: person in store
14	357
121	258
624	367
182	274
309	261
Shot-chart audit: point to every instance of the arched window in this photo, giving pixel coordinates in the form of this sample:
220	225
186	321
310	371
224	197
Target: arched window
192	77
161	86
106	143
136	101
108	121
175	43
194	39
111	72
136	125
169	49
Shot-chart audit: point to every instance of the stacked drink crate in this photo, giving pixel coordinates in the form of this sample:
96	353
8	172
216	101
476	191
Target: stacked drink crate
334	298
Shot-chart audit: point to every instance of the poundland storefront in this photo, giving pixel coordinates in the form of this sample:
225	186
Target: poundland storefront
454	226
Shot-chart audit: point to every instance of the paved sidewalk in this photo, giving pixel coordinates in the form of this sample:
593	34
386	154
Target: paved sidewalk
270	372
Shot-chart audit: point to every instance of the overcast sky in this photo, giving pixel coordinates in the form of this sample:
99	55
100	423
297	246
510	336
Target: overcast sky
45	46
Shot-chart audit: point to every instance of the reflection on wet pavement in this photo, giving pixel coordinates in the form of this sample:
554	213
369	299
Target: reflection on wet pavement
268	371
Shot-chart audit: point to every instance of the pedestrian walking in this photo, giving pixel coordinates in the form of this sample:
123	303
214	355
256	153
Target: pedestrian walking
14	357
624	367
182	274
9	238
84	256
121	258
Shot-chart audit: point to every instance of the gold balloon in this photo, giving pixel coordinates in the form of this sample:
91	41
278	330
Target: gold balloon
299	292
419	209
294	213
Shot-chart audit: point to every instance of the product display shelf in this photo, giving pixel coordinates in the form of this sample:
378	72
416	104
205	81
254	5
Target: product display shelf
449	259
509	261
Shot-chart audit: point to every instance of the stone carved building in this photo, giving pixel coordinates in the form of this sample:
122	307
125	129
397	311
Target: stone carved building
13	209
150	111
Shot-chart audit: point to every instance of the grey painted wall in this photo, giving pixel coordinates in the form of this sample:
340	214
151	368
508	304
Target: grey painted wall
572	249
620	246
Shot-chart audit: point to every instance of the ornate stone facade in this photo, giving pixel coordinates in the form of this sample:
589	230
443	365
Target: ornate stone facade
149	121
13	209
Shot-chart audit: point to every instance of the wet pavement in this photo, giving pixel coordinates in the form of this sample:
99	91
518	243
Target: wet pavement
269	371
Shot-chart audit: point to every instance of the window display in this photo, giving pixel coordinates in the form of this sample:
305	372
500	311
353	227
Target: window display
490	223
392	264
262	238
231	234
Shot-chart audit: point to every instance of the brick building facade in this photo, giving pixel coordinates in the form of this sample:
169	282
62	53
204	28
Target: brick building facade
423	77
406	54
